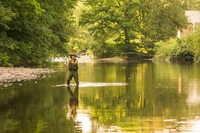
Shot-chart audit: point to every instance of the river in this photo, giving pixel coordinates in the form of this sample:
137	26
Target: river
120	97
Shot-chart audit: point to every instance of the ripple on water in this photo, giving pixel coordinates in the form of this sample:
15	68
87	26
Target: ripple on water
95	84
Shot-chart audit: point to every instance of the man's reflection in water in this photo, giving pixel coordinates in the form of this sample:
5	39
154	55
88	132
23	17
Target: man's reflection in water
73	101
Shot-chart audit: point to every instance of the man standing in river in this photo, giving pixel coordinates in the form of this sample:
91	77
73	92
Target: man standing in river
73	69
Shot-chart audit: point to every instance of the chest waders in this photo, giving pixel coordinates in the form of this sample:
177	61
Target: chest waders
73	72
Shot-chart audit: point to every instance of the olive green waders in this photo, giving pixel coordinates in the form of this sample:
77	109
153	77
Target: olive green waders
71	74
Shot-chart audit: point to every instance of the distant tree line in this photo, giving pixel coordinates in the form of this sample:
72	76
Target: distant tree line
132	25
33	31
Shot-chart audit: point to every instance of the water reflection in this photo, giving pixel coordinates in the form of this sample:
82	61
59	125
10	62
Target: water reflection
193	96
112	97
73	101
81	119
72	112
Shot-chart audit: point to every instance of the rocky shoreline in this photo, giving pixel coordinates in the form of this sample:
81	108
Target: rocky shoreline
9	75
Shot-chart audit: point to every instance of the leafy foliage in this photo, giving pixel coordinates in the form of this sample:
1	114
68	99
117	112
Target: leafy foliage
32	31
163	19
193	41
181	50
192	4
132	25
112	20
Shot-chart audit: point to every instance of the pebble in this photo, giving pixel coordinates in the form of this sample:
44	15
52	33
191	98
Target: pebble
9	74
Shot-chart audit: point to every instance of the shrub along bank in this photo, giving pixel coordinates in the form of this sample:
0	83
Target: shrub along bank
181	50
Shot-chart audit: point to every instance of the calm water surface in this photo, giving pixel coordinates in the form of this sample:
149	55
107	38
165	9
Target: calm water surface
112	97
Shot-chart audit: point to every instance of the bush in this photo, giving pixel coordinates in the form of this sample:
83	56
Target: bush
193	40
174	50
165	49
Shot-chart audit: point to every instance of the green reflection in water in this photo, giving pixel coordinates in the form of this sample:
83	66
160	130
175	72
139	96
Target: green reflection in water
34	107
157	97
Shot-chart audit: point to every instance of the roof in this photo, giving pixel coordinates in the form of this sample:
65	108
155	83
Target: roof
193	16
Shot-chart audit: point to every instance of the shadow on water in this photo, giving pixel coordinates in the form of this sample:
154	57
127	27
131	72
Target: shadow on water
112	97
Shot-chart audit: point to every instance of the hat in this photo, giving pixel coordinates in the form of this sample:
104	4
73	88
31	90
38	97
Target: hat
72	54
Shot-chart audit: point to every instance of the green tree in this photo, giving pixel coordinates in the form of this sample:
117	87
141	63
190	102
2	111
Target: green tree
113	21
6	16
58	17
81	40
192	4
124	26
38	30
163	19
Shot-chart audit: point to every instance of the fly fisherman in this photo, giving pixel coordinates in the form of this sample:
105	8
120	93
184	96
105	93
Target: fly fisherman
73	69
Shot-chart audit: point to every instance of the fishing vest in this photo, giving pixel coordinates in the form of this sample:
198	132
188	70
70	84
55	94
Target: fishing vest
73	67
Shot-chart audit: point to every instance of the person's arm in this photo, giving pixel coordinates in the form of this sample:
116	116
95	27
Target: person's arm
66	64
75	62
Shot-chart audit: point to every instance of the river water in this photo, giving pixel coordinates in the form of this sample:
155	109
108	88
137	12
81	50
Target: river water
124	97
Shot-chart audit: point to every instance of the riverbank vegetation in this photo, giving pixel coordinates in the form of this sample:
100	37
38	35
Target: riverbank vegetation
34	31
181	50
131	26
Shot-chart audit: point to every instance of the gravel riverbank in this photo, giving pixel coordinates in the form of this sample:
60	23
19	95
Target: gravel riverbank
9	75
